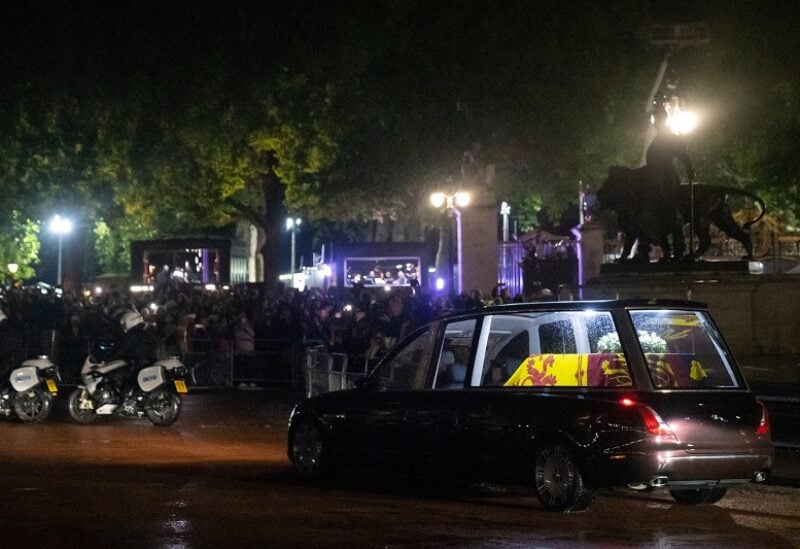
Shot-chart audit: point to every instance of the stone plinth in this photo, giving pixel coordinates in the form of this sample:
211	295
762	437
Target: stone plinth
590	250
480	242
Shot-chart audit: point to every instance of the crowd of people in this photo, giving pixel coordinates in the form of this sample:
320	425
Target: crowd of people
354	321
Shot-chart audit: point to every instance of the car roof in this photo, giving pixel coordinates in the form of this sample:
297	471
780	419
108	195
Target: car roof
577	305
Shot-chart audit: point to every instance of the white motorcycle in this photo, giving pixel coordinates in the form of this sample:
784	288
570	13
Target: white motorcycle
31	389
155	395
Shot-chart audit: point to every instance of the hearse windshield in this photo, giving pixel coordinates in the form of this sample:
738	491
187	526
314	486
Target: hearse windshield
683	350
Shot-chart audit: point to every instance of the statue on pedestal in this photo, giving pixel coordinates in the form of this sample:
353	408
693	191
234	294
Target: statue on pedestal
652	205
645	214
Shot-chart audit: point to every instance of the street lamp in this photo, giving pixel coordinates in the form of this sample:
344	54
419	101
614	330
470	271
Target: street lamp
60	226
460	199
452	203
292	224
505	211
12	269
682	122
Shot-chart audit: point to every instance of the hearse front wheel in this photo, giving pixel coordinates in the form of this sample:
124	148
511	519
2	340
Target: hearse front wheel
696	496
309	453
558	481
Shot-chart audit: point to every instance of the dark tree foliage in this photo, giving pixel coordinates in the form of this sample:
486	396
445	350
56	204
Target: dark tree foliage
175	116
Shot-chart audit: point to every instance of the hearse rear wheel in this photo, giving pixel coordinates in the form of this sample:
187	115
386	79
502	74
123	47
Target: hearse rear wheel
558	481
696	496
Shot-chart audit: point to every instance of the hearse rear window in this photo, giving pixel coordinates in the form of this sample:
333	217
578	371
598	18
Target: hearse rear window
683	350
551	349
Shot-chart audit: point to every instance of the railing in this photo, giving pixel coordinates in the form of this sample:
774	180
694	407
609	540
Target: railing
509	266
325	372
211	363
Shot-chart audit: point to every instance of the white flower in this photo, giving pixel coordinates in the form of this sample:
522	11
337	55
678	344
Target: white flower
649	341
609	343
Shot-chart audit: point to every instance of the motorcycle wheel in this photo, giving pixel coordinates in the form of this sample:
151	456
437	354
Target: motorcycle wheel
81	415
163	407
33	406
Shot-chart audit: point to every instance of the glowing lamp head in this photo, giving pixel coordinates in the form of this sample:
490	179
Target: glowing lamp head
438	200
60	225
462	199
682	122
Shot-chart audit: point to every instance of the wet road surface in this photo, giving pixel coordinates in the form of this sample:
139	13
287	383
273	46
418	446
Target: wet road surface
220	478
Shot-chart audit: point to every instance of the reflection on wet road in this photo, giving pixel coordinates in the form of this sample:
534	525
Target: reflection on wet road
220	478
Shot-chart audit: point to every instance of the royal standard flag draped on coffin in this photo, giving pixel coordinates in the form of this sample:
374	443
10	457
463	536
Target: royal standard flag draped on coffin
572	370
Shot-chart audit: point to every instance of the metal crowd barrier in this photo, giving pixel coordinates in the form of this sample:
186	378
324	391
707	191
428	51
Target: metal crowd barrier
327	372
210	364
271	362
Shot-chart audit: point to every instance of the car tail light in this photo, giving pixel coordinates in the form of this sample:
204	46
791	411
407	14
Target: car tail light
652	421
763	426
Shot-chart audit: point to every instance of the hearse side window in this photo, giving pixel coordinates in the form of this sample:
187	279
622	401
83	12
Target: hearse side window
557	337
554	349
597	327
508	350
683	350
574	349
451	369
404	371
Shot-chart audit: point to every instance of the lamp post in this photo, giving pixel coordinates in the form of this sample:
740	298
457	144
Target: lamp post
60	226
682	122
292	224
452	203
505	211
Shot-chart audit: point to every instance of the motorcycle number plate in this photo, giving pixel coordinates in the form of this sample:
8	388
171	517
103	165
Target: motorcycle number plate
51	386
180	386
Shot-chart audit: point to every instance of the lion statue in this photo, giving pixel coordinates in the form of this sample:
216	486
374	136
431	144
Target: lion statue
642	214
